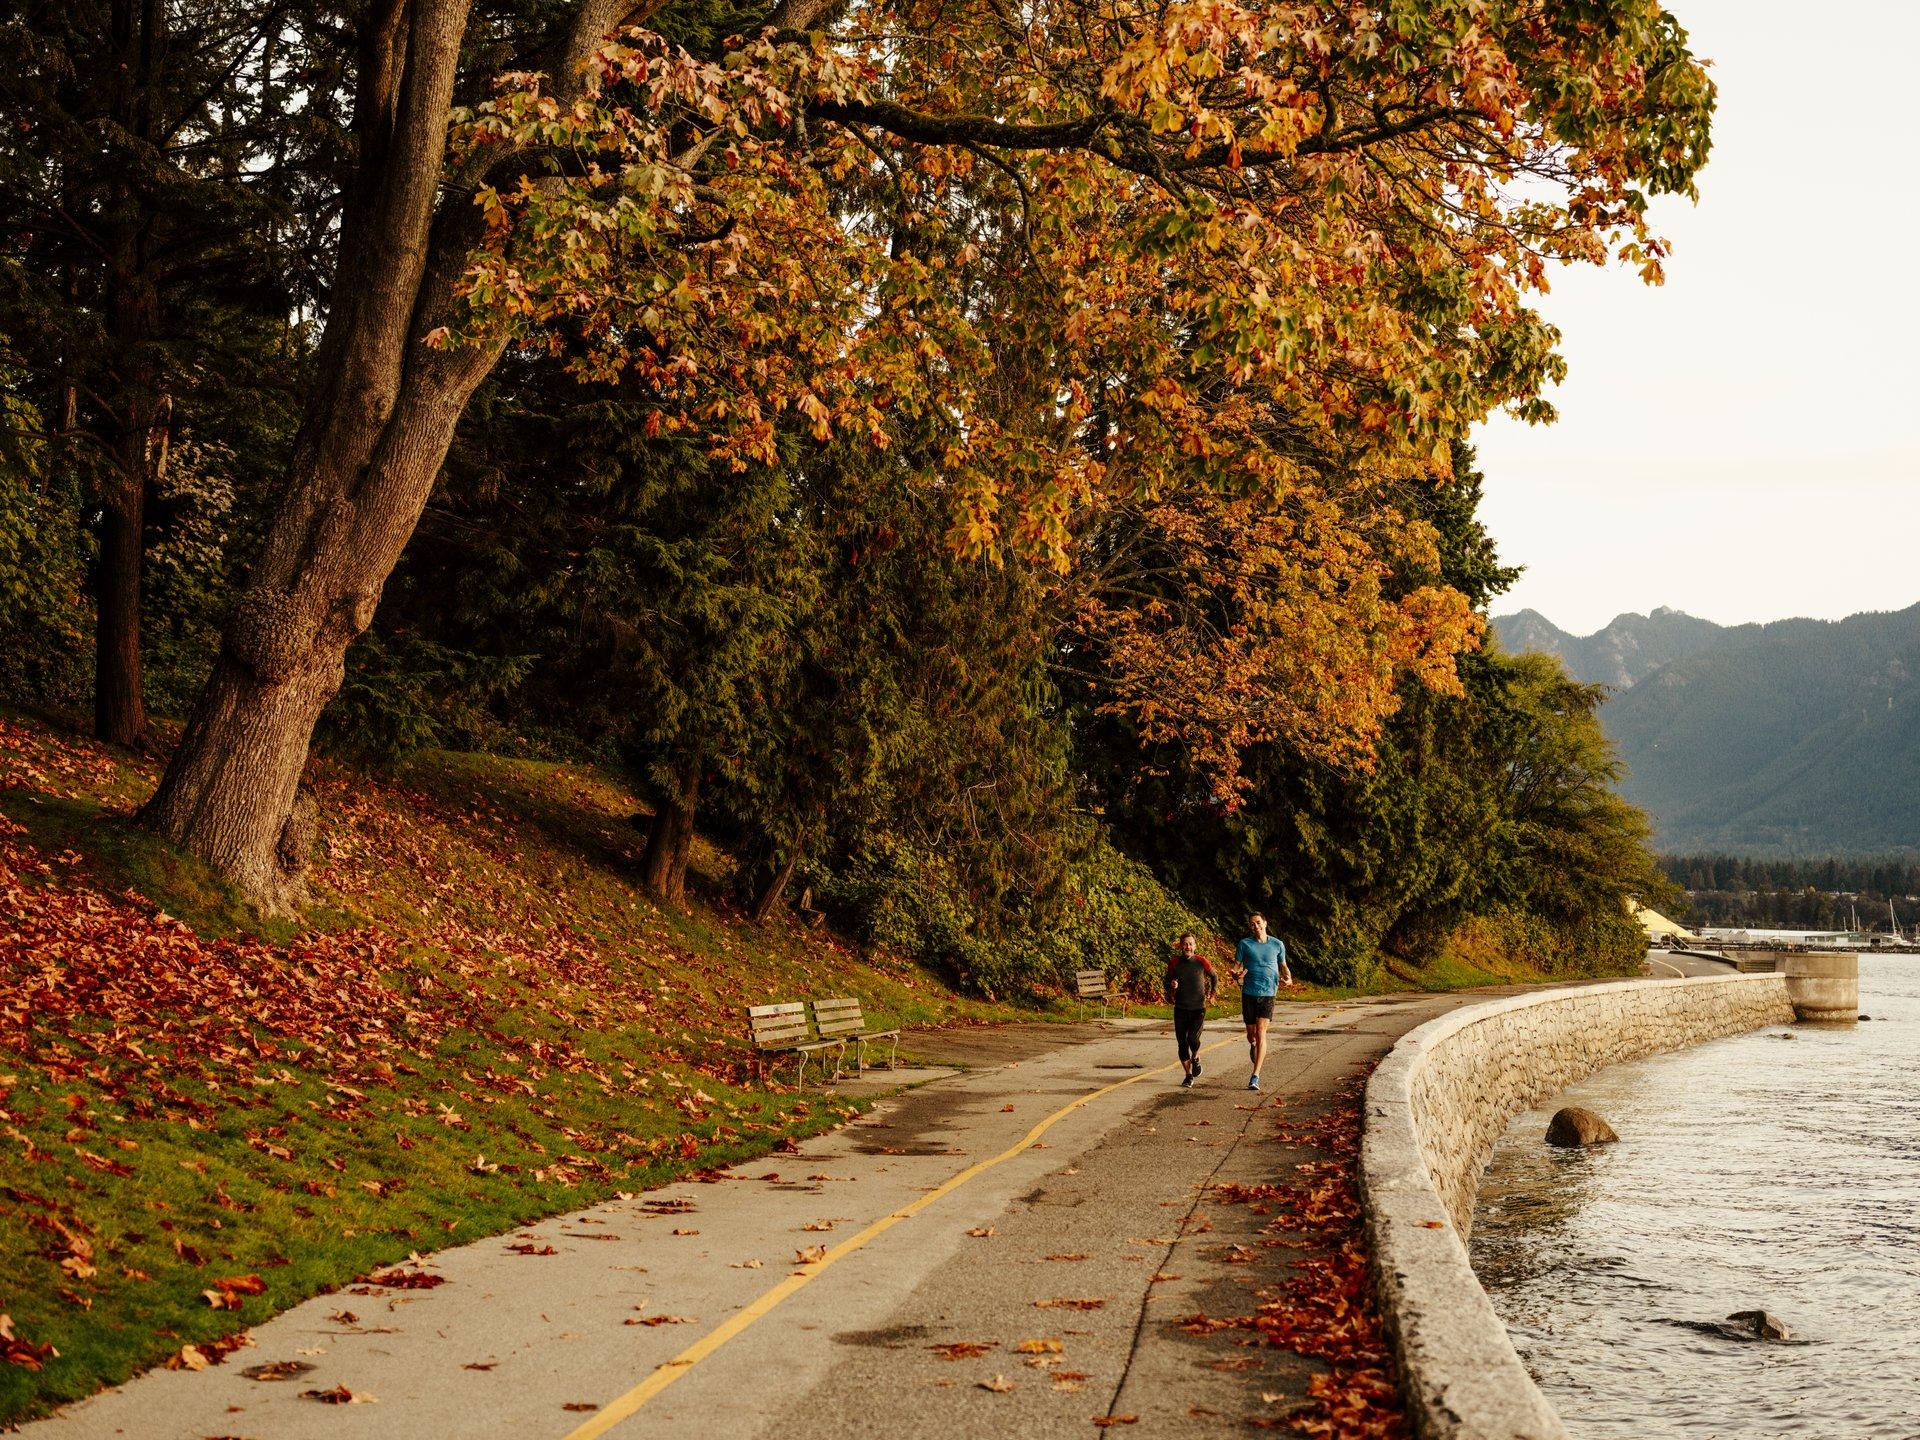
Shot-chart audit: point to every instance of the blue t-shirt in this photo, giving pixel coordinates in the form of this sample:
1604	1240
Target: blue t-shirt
1262	960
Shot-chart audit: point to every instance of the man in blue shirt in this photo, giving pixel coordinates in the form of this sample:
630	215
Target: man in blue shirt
1262	970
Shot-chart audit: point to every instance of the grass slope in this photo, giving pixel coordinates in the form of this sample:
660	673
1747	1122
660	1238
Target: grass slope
484	1024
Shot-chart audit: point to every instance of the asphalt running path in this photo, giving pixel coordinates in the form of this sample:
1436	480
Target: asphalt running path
946	1215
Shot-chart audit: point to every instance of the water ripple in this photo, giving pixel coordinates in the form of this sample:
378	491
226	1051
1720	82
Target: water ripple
1752	1173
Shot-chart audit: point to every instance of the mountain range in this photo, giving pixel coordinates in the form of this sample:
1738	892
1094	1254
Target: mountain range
1800	737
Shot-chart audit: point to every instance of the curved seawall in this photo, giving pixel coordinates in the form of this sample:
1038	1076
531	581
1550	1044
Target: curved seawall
1435	1106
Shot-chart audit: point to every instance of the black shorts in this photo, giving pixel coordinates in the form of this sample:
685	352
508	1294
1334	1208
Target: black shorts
1256	1007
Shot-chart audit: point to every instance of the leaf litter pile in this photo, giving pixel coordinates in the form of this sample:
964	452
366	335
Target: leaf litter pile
1325	1309
485	1023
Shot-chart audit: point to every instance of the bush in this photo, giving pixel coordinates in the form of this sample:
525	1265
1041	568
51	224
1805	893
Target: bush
1109	913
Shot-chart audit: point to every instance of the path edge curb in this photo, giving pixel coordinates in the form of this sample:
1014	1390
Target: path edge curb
1460	1375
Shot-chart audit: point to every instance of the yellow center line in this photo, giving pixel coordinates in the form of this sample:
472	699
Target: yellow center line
666	1373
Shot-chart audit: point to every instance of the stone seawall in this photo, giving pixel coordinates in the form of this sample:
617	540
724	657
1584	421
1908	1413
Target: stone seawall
1435	1106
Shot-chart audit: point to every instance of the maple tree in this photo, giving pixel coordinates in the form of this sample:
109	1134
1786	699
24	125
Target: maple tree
1241	234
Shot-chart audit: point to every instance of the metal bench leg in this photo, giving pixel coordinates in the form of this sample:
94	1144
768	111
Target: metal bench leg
893	1054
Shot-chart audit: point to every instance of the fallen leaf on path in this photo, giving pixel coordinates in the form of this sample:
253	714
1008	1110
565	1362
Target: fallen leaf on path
810	1255
523	1248
686	1232
981	1232
277	1370
1065	1257
1160	1275
747	1264
818	1225
1006	1109
344	1317
961	1349
579	1405
1433	1224
999	1384
661	1320
338	1395
1068	1304
1047	1346
1103	1421
400	1279
480	1365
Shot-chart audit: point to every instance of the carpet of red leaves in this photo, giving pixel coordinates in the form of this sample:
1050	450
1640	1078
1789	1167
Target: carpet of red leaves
1326	1307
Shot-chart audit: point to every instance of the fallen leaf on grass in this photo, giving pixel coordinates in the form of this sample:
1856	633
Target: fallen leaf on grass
999	1384
231	1293
1048	1346
277	1370
961	1349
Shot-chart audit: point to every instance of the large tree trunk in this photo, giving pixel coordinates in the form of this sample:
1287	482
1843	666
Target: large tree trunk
375	432
663	864
772	890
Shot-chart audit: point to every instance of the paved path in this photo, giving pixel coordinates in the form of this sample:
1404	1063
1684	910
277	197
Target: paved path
1066	1165
1666	965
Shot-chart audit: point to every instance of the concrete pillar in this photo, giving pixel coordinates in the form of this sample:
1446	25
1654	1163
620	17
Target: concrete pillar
1824	987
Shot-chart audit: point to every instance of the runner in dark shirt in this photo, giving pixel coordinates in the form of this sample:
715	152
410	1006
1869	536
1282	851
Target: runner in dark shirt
1191	986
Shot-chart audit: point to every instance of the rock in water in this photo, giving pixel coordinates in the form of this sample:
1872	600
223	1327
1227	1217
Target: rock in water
1761	1325
1574	1127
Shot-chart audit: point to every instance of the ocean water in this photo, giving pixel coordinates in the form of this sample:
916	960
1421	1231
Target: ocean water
1751	1173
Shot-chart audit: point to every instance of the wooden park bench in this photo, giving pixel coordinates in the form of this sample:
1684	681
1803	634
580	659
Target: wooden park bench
842	1019
782	1030
1092	985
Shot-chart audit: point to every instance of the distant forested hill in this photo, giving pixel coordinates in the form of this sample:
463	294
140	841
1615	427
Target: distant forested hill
1630	647
1796	738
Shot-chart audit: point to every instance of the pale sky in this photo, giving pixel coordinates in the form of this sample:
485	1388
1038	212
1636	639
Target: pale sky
1743	443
